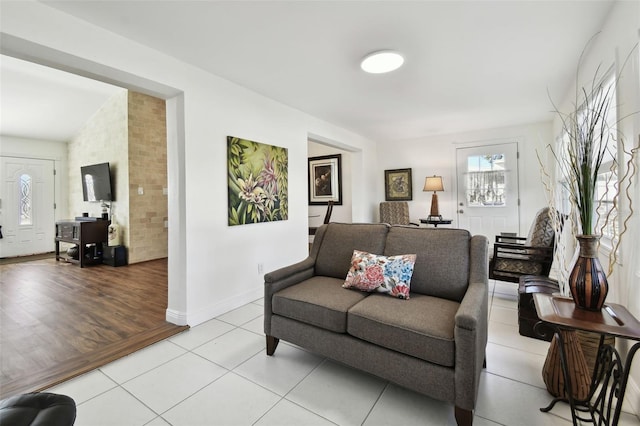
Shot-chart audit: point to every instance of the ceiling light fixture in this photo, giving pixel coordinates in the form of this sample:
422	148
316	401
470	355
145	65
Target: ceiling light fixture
382	61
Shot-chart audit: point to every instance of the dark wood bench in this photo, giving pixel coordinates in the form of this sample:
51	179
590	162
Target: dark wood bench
527	315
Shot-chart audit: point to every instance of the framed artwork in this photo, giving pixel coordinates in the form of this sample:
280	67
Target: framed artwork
325	180
257	176
397	185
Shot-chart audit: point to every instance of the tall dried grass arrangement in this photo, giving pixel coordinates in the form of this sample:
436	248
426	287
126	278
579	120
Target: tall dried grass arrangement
588	136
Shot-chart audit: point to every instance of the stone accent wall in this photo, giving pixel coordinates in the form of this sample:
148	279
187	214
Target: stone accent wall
148	238
104	138
129	132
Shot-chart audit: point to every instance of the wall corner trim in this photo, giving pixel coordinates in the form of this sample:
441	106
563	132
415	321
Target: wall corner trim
176	317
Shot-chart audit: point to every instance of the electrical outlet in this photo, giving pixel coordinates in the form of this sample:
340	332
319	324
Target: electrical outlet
260	268
140	190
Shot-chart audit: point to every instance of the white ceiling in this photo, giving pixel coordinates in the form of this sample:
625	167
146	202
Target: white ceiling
468	64
38	102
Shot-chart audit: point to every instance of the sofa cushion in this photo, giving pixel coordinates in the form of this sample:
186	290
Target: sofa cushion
384	274
422	327
442	259
341	239
319	301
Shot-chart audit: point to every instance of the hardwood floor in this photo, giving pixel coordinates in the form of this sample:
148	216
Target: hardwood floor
58	320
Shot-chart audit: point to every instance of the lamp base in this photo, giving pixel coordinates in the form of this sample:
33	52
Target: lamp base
434	217
435	212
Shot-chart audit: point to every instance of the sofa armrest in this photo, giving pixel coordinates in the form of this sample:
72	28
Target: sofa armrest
282	278
470	334
471	327
290	275
289	271
470	313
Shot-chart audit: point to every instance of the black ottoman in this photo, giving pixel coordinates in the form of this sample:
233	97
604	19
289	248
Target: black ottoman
38	409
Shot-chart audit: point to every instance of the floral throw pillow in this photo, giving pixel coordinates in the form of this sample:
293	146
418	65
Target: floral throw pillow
383	274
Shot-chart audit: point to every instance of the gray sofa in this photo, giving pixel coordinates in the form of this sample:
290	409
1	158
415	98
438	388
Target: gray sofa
434	343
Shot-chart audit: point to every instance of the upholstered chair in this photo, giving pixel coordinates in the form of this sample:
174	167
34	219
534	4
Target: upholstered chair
395	213
517	256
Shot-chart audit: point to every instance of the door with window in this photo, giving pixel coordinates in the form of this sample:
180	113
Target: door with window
26	206
488	199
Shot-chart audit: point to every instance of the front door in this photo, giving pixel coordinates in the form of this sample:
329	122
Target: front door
26	206
488	199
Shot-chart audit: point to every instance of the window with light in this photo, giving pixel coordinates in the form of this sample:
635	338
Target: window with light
26	205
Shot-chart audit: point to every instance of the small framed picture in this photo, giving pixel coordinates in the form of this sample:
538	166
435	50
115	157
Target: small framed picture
325	180
397	185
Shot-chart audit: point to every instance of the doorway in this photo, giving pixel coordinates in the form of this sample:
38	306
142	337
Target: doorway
26	206
488	200
343	211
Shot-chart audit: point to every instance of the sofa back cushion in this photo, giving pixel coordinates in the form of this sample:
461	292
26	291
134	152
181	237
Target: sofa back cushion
442	259
338	241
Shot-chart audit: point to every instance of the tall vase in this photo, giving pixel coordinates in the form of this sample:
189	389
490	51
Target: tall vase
587	281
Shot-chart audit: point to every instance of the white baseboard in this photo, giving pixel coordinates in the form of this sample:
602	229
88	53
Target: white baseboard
193	318
631	402
176	317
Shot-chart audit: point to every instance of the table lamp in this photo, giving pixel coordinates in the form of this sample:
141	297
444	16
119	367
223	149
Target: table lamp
434	183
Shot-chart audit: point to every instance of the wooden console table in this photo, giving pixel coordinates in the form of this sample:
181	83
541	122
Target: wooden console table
610	375
82	233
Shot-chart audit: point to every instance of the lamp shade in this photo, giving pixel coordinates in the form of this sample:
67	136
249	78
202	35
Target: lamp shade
433	183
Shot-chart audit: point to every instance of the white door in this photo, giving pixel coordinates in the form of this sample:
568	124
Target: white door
26	206
488	199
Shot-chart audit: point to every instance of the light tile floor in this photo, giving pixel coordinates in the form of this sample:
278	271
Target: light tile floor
218	374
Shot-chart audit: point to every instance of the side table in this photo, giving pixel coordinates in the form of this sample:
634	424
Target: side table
436	222
610	375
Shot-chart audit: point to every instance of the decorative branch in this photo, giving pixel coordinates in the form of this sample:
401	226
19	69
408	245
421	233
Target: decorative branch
559	222
627	179
585	148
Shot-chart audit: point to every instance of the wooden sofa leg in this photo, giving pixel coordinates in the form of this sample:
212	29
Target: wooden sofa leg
463	417
272	344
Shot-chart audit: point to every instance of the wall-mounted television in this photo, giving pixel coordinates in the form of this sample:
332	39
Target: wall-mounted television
96	182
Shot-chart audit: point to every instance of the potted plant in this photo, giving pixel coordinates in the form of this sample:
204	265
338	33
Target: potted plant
589	133
590	142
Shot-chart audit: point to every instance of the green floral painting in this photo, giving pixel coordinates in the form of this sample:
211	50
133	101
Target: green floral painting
258	176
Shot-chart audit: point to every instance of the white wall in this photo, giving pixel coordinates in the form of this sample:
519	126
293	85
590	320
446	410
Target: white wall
11	146
212	267
437	155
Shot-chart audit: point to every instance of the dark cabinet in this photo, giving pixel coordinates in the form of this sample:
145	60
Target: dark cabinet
89	235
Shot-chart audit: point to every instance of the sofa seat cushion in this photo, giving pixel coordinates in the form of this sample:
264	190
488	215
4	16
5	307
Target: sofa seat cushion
319	301
422	327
